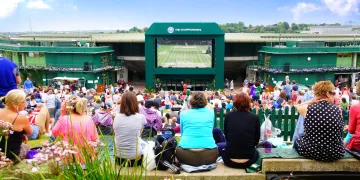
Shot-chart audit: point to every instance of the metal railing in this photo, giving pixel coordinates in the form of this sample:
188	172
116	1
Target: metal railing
75	67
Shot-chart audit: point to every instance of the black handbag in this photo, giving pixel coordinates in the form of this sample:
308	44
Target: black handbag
165	154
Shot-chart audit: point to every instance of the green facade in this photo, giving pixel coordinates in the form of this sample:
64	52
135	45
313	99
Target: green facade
297	61
184	31
272	59
63	57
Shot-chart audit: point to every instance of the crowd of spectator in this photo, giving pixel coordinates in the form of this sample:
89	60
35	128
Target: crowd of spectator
81	116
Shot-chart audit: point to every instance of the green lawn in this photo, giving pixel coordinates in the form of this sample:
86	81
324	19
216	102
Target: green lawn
38	142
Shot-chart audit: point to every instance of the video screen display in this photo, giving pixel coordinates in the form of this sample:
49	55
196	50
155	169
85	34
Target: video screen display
184	53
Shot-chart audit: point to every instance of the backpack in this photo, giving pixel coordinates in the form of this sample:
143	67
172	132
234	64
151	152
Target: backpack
165	153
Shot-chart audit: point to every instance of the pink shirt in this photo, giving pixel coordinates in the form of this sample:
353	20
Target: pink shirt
354	127
76	131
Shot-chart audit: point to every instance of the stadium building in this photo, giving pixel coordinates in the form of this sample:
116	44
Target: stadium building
157	55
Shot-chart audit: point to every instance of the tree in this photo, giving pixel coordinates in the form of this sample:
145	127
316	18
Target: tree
135	29
250	26
286	25
145	29
294	27
117	31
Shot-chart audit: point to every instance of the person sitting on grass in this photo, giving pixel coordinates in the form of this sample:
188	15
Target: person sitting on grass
174	122
153	119
76	127
128	126
103	120
344	106
197	146
14	103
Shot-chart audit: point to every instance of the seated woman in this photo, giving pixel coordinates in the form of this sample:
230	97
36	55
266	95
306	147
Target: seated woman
242	132
323	126
197	146
281	100
103	119
128	126
15	102
354	124
152	118
76	127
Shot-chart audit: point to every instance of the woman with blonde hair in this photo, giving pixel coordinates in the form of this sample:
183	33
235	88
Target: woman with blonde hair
14	103
323	126
76	127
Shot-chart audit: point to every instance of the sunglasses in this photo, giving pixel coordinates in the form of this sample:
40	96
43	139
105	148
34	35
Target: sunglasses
332	93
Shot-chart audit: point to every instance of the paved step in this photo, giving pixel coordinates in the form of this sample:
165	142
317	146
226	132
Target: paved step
307	165
221	172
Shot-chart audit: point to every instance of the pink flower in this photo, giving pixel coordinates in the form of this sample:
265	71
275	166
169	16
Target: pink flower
34	170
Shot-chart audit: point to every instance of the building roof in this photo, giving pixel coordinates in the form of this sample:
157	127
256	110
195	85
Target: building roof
229	37
184	28
48	49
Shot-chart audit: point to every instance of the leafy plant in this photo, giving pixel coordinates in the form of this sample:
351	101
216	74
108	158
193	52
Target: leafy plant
149	90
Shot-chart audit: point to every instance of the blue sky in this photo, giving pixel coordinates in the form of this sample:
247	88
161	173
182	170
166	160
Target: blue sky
64	15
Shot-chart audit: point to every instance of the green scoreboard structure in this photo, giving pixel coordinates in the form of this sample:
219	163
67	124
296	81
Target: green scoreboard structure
191	53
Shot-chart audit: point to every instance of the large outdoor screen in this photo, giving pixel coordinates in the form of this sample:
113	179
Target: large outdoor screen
176	53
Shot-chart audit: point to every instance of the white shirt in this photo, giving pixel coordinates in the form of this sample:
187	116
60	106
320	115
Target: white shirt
116	97
58	95
354	101
276	94
43	96
337	91
83	89
67	96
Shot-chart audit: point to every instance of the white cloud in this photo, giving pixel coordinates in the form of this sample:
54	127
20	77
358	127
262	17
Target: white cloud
7	7
300	9
38	4
342	7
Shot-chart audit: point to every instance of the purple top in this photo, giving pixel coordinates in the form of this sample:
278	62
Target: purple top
152	119
102	119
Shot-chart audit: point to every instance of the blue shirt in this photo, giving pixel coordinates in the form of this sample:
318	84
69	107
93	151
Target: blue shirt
299	129
308	96
28	84
229	106
287	89
295	87
196	126
8	72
